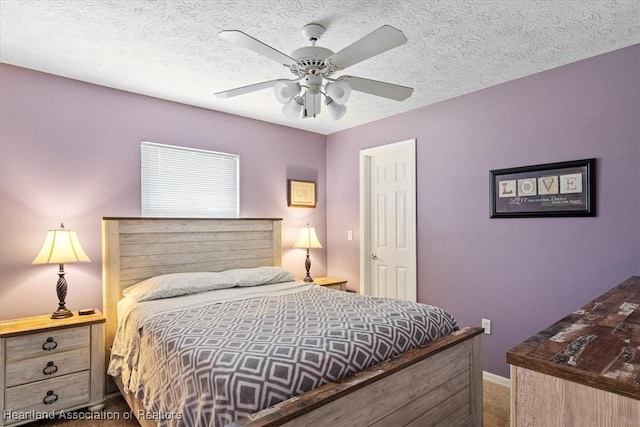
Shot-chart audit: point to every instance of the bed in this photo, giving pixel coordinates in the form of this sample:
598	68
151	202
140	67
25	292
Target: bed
439	383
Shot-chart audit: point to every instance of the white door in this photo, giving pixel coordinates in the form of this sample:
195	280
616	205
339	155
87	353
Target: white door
388	220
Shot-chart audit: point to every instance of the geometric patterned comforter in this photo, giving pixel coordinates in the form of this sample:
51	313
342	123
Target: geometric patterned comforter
217	363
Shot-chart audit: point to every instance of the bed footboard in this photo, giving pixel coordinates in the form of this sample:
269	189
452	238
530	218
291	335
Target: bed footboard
439	384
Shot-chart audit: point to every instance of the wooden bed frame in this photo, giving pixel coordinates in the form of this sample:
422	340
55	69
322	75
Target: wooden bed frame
438	384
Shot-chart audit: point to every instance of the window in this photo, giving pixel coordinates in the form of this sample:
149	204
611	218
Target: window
186	182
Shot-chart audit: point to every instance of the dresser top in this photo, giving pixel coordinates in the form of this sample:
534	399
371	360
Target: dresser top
597	345
9	328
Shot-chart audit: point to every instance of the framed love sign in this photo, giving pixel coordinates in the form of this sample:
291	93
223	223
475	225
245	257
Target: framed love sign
552	189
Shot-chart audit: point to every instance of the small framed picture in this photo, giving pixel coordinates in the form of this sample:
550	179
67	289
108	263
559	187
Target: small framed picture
552	189
301	194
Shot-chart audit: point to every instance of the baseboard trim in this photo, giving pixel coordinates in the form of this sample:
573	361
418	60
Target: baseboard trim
496	379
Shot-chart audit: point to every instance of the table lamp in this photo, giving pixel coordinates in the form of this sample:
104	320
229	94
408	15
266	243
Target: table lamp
61	247
307	238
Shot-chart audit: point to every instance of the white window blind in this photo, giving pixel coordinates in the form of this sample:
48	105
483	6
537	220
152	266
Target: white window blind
186	182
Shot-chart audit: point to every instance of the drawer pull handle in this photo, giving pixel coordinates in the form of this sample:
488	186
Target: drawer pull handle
49	345
50	369
50	398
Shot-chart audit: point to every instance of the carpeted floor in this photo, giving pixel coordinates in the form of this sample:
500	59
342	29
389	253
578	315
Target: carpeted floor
117	414
495	404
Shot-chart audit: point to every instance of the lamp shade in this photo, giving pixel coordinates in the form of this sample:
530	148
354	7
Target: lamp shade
285	91
336	111
307	238
293	110
339	91
61	247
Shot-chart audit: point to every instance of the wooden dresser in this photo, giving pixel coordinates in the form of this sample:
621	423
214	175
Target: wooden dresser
583	370
50	366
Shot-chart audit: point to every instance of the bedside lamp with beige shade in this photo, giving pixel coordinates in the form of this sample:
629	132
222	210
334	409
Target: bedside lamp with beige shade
61	246
307	238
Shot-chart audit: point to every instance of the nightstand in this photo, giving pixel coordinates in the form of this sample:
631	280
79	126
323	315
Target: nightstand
50	365
331	283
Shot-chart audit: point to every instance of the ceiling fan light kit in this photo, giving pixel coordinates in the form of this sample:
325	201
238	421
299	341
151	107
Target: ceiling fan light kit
313	68
286	90
336	111
339	91
293	109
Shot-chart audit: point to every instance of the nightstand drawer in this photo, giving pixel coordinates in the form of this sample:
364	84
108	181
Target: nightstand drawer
47	343
331	283
50	395
46	367
338	286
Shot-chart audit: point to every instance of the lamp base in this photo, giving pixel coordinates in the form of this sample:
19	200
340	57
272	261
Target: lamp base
61	313
61	289
307	266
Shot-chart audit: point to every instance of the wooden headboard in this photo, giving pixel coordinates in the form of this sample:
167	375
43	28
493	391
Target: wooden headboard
135	249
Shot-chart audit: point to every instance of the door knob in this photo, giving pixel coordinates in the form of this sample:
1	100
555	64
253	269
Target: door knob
374	256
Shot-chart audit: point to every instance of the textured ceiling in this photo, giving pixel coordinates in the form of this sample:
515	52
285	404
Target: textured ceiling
170	49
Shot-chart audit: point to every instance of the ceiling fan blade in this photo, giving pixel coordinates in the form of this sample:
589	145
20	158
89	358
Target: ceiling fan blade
247	89
379	41
248	42
378	88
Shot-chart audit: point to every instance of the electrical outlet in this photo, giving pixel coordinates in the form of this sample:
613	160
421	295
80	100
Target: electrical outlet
486	324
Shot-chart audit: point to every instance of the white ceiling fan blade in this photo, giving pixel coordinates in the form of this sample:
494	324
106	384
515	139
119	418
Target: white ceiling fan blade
255	45
378	88
379	41
247	89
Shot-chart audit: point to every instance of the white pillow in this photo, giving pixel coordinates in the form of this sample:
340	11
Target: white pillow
176	284
259	276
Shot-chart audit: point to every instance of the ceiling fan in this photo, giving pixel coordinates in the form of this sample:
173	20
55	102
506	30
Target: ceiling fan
313	68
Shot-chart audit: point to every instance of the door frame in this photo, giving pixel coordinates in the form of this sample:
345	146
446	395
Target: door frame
365	214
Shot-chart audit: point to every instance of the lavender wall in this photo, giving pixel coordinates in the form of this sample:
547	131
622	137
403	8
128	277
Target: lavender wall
523	274
70	151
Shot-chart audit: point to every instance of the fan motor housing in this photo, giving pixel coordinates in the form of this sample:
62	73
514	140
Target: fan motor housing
312	58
